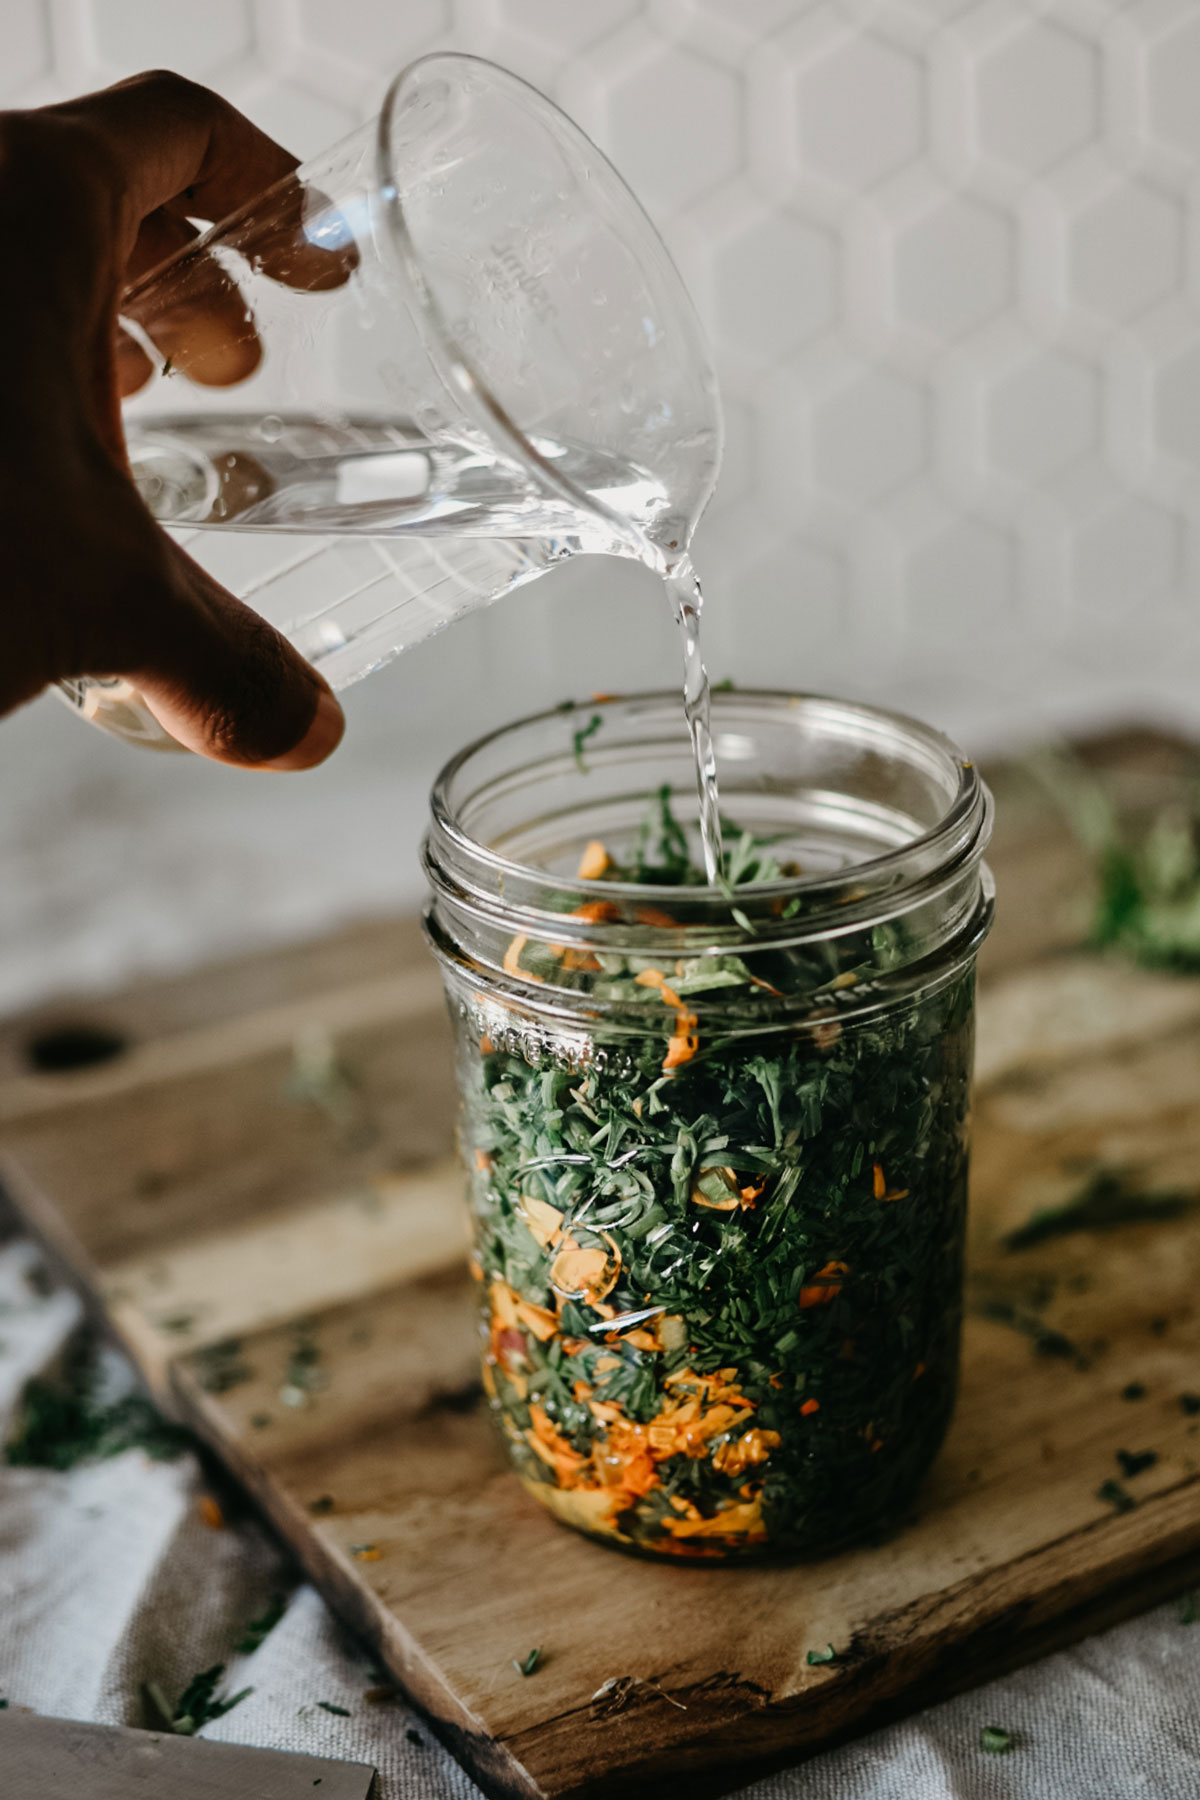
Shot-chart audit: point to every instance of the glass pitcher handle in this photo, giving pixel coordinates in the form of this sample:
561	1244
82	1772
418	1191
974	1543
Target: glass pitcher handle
115	706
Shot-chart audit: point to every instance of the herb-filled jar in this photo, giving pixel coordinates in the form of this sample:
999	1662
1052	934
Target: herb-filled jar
716	1134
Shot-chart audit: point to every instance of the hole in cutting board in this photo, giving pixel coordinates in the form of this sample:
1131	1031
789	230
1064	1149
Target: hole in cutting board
61	1048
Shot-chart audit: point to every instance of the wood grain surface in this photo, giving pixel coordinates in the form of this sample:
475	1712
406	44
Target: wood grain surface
199	1190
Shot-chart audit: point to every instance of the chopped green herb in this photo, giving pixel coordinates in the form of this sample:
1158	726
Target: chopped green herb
1107	1200
1147	870
324	1503
414	1737
168	367
1188	1610
662	856
197	1705
321	1078
260	1421
721	1247
1134	1391
1026	1318
220	1367
724	686
527	1664
178	1322
259	1628
304	1374
579	739
1190	1404
70	1418
996	1741
1114	1495
339	1712
3	1703
816	1657
1135	1462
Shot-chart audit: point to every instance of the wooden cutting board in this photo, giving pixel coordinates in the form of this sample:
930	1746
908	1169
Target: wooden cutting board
266	1168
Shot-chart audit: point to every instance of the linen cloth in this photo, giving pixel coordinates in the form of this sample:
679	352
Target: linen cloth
110	1578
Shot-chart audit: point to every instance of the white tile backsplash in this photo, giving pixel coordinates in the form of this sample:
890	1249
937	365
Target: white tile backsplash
949	253
198	41
25	53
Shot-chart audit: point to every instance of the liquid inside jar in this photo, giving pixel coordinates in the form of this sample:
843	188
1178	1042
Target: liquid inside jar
718	1197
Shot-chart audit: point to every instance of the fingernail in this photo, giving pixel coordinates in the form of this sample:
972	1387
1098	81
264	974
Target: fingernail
322	737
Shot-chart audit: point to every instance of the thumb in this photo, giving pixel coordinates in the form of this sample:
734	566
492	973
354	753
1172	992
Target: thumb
224	682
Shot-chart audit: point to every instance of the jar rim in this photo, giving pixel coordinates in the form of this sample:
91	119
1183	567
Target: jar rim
892	918
963	827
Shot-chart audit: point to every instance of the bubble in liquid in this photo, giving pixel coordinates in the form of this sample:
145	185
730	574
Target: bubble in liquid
271	428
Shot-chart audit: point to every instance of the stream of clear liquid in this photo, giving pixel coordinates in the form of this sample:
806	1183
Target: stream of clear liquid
683	592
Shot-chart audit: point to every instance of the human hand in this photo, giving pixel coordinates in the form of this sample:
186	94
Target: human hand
93	194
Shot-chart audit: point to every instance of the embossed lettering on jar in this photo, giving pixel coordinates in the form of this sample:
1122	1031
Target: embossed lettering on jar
716	1137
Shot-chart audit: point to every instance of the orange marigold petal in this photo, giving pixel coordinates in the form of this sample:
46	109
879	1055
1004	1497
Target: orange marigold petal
654	915
594	862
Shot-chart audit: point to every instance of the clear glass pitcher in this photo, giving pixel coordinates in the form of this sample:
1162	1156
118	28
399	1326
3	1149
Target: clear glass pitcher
468	357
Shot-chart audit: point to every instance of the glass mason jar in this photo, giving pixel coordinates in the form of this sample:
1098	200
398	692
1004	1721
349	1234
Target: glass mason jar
716	1136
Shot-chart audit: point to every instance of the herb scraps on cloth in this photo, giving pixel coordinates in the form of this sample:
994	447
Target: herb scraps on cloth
720	1267
259	1629
79	1414
197	1705
996	1740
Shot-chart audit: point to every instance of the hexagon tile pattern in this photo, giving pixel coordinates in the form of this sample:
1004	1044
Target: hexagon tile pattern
947	255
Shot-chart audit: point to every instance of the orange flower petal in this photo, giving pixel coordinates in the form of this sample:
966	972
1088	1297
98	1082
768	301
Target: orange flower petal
594	862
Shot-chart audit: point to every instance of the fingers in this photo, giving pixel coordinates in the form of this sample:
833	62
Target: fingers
199	319
190	153
173	138
133	367
116	597
103	187
307	245
225	684
83	188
